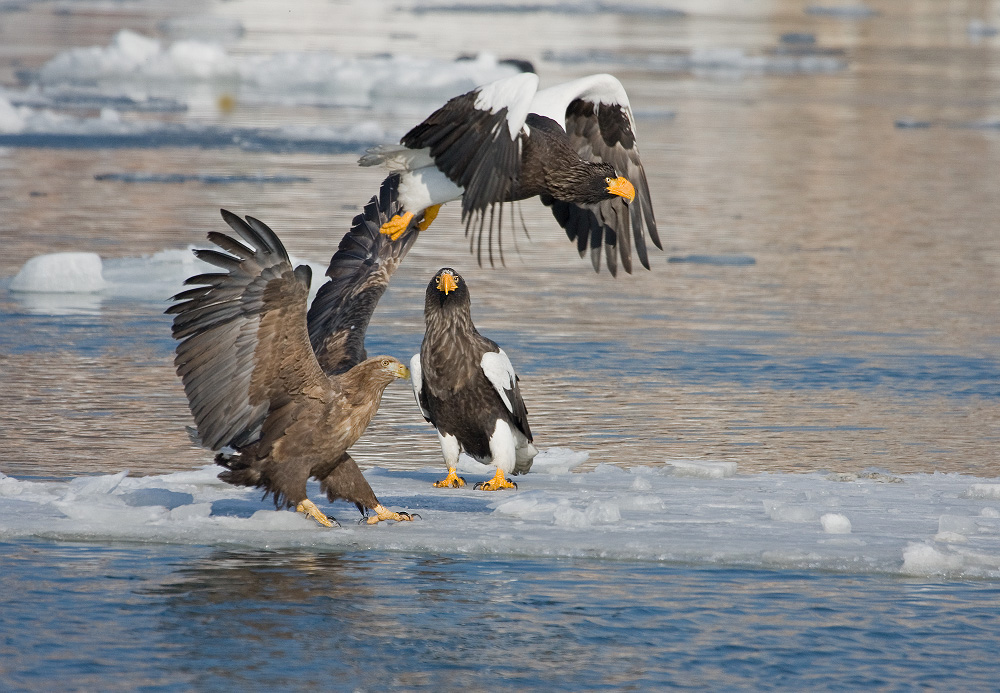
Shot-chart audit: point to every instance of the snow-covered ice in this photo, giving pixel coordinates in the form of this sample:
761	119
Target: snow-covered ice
927	524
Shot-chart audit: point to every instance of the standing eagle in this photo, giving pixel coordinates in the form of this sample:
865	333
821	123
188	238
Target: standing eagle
573	145
467	388
289	395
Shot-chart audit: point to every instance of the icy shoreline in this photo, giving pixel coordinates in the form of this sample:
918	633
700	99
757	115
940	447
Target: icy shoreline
942	525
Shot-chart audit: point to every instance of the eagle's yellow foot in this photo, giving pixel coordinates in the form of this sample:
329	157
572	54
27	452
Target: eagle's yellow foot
309	509
498	482
453	480
395	227
383	513
430	214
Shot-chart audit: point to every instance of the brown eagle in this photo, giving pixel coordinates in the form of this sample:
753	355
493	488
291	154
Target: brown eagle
281	392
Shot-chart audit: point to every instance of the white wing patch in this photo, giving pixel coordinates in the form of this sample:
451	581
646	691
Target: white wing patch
603	88
514	94
500	373
417	382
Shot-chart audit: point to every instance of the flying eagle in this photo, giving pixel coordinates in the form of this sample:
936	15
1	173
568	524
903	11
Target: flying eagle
466	387
287	394
573	145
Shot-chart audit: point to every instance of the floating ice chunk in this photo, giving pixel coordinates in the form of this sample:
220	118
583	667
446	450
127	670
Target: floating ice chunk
194	511
989	512
598	512
957	524
133	62
274	520
835	523
532	505
557	461
11	118
782	512
61	273
641	484
951	538
924	559
984	491
105	484
705	470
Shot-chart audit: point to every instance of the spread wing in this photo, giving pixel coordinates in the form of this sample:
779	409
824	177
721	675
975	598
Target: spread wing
598	121
359	274
475	139
243	346
499	371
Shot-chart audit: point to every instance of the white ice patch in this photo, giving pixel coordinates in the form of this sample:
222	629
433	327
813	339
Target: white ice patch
75	282
984	491
707	470
925	525
139	66
61	273
835	523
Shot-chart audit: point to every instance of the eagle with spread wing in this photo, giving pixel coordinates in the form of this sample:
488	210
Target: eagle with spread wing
282	392
573	145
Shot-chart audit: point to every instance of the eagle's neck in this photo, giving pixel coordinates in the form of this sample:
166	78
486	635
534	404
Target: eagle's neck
449	351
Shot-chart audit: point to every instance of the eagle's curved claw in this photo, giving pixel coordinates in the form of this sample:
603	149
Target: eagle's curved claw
383	513
453	480
309	509
498	482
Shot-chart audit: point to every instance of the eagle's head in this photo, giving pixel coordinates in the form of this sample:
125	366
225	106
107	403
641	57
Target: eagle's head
447	288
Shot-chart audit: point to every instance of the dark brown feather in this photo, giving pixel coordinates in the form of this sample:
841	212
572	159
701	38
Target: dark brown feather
252	379
359	274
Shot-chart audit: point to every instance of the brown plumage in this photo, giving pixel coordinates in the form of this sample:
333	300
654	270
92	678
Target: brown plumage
253	380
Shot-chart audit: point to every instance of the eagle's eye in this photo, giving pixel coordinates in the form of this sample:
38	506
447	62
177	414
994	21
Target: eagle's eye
385	362
608	181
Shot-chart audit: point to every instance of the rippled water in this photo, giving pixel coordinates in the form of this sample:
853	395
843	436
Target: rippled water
827	300
153	618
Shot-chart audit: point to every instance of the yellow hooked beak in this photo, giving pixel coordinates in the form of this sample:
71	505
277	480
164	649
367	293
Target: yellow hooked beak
401	371
620	186
447	283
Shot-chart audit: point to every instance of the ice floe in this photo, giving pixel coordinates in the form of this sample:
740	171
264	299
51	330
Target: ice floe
140	66
942	525
59	283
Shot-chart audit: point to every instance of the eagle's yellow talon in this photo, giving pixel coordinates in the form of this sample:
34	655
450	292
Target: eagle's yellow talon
498	482
430	214
395	227
383	513
309	509
453	480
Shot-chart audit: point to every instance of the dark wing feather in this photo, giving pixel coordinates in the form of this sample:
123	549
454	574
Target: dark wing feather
596	225
242	334
472	145
359	274
603	132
